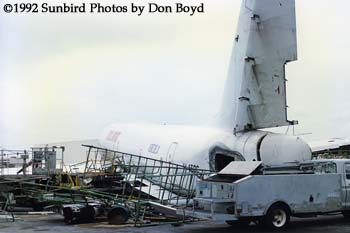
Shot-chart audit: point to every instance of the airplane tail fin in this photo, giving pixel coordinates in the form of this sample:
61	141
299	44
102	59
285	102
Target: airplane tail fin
255	91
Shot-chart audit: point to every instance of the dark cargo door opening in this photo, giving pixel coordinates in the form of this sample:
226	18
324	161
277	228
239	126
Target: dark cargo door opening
220	158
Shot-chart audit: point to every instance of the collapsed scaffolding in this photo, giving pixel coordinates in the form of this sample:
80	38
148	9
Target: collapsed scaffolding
113	184
158	179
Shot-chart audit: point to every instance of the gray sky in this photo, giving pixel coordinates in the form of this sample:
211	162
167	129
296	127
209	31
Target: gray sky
65	77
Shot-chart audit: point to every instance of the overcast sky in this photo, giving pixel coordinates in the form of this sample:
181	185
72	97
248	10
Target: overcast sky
65	77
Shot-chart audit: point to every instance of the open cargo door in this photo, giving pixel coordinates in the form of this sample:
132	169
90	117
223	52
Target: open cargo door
240	168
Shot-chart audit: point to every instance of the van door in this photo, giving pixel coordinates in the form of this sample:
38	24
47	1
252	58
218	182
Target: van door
346	189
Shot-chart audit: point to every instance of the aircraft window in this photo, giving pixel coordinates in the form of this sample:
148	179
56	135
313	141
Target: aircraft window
153	148
347	171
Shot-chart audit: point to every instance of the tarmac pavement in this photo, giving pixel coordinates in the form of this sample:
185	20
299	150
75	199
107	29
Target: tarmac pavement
54	223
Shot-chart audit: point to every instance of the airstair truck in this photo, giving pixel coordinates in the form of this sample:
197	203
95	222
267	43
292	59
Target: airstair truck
250	191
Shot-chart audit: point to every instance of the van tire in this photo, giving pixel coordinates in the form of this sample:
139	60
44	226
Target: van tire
346	214
277	217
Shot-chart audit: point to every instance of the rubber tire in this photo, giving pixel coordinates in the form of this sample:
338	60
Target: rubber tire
346	214
68	215
37	206
117	216
87	214
268	219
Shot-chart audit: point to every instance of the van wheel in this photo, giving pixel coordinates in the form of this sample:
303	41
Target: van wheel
277	217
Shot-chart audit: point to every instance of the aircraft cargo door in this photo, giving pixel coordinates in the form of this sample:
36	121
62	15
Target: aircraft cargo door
170	156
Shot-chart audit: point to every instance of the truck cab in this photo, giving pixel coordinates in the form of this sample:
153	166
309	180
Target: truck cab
343	168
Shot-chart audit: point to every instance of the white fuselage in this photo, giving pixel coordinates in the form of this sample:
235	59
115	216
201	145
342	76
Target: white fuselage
202	145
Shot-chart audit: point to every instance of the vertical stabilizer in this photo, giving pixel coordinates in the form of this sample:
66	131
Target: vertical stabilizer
255	92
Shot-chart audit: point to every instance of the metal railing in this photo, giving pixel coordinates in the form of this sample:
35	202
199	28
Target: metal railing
150	178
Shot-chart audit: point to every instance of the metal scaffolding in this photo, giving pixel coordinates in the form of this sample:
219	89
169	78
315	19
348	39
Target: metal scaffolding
110	181
150	178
